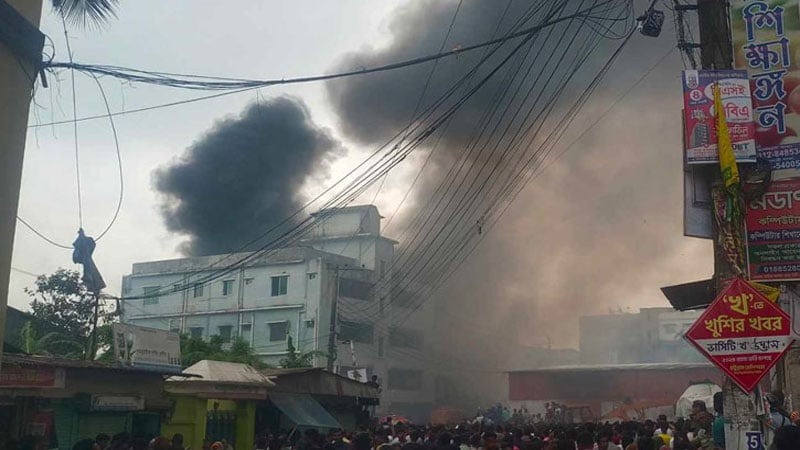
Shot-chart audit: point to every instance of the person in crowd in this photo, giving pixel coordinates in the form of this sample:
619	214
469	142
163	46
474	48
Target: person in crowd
101	442
787	438
261	443
778	417
161	443
718	427
84	444
603	442
700	418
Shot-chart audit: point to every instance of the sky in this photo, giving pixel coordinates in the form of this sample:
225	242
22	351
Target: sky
599	230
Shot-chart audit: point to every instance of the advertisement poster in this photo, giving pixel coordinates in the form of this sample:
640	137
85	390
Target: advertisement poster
147	348
700	136
766	41
773	232
743	333
31	377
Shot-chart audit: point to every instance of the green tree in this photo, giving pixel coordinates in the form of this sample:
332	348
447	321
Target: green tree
62	300
295	359
196	349
52	343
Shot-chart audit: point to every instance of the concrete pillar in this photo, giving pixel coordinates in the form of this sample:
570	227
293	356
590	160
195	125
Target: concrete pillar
740	416
245	424
791	365
188	417
15	96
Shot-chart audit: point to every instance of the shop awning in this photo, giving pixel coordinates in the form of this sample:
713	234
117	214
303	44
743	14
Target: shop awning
303	410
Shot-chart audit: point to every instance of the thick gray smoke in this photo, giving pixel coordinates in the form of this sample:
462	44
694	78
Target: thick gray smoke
599	229
243	176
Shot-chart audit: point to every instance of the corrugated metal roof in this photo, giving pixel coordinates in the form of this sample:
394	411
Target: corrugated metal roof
317	380
224	372
54	361
617	367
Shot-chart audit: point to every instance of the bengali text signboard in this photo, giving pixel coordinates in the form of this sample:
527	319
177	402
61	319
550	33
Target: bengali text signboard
147	348
766	40
13	376
743	333
700	132
773	233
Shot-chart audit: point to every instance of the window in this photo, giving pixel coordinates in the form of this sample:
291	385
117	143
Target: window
244	331
225	332
248	281
278	331
356	331
383	268
405	338
151	295
380	347
175	325
405	379
279	285
198	290
196	332
227	287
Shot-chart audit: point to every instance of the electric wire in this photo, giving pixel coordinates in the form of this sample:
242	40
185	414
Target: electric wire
361	183
255	84
74	126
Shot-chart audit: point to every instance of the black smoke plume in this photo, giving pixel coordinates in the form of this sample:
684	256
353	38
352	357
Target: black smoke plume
243	176
600	229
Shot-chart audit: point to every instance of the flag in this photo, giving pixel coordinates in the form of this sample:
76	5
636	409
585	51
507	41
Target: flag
727	160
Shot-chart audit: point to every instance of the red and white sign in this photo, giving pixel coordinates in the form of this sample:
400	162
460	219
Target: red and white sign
12	376
743	333
700	131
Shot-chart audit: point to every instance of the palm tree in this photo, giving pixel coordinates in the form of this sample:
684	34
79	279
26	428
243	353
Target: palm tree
86	13
53	343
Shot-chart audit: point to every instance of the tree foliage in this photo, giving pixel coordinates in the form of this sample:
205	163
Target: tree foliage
52	343
194	350
86	13
63	301
295	359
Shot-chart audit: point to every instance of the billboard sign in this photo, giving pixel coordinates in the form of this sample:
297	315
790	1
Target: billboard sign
743	333
773	232
765	43
39	377
147	348
700	131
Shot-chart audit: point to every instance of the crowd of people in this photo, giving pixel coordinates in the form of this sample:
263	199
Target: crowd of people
497	428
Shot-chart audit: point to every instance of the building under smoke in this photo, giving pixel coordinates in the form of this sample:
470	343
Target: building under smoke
326	291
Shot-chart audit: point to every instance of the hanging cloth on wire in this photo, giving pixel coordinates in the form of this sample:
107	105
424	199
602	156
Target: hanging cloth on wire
82	254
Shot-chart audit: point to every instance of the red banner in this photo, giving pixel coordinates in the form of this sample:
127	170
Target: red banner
31	377
743	333
773	233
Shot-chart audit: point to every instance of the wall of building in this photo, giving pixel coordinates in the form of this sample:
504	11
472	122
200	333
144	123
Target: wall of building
603	390
652	335
347	244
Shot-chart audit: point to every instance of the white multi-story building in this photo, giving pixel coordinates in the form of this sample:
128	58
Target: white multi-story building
291	292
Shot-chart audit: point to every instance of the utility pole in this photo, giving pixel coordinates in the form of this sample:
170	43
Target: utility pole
18	20
716	52
332	328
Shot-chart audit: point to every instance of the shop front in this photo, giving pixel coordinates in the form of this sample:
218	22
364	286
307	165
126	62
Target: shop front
61	401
